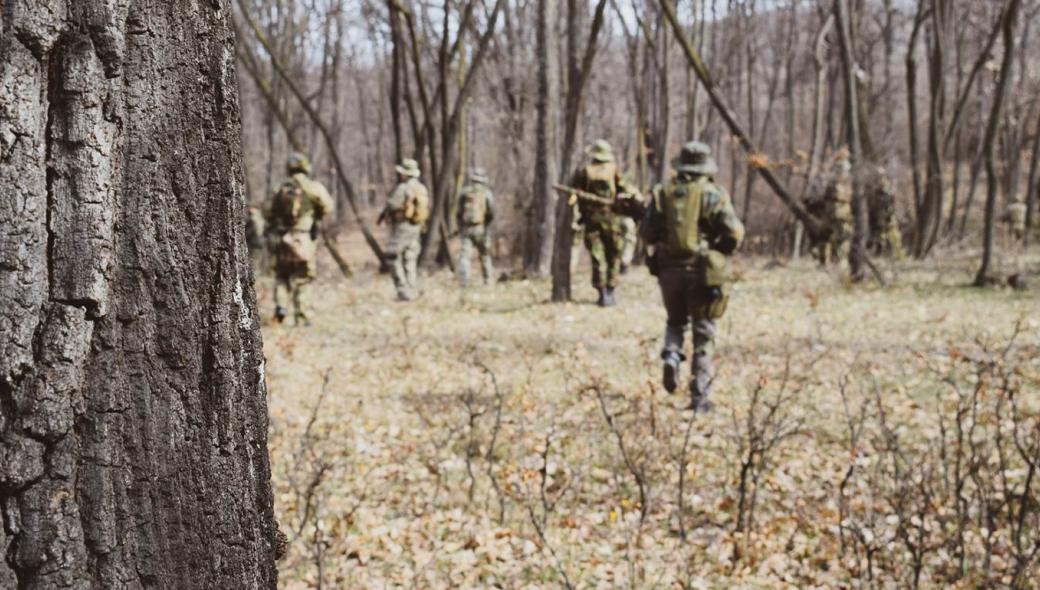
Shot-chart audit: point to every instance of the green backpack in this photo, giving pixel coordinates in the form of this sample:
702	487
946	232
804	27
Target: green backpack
681	206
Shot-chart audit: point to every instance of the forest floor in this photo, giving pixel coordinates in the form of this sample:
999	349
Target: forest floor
489	438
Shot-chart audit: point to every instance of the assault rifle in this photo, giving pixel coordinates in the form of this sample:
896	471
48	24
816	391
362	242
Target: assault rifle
583	195
627	205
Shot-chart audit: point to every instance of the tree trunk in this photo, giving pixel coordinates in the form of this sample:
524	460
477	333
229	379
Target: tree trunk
541	230
858	251
133	420
982	278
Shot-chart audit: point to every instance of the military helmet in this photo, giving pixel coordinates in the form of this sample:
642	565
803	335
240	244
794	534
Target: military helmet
695	158
478	175
408	167
297	162
600	151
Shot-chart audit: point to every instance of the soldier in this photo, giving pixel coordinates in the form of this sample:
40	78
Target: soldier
833	205
600	223
692	229
476	211
1015	218
292	215
885	238
407	210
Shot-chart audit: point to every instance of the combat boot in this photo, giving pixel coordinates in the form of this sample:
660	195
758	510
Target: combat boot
608	298
280	313
602	299
670	372
699	402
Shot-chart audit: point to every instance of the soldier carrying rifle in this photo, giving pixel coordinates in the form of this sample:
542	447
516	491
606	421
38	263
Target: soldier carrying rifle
602	195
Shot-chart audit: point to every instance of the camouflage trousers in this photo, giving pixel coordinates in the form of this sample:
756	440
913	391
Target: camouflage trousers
293	277
403	251
603	241
888	241
475	237
628	241
686	301
835	248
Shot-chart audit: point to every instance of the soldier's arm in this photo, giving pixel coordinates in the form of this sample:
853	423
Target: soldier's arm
323	203
727	231
652	228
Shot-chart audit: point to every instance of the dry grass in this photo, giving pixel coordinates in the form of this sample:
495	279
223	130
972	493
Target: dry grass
492	439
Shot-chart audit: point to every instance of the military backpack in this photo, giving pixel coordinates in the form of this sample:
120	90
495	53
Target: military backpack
288	206
474	206
417	204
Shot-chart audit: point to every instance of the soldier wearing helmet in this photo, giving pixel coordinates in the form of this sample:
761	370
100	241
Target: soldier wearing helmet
475	213
292	215
407	209
601	225
692	230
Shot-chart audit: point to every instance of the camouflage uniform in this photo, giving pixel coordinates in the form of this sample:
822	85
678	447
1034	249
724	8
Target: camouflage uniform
834	207
885	237
407	209
601	226
476	210
1015	218
292	214
692	228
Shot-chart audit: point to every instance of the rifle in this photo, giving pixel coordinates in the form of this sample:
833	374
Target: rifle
341	262
582	195
629	206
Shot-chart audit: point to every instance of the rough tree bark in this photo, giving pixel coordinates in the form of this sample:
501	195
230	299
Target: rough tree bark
133	420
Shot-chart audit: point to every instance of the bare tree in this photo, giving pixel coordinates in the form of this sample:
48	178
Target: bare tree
541	232
1008	24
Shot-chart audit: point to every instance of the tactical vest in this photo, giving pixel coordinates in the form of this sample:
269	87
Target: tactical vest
289	205
474	206
680	205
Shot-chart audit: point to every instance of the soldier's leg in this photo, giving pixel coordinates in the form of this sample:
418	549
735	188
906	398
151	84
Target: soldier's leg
673	293
282	295
397	273
486	264
594	244
702	366
612	253
411	267
302	300
628	243
464	259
